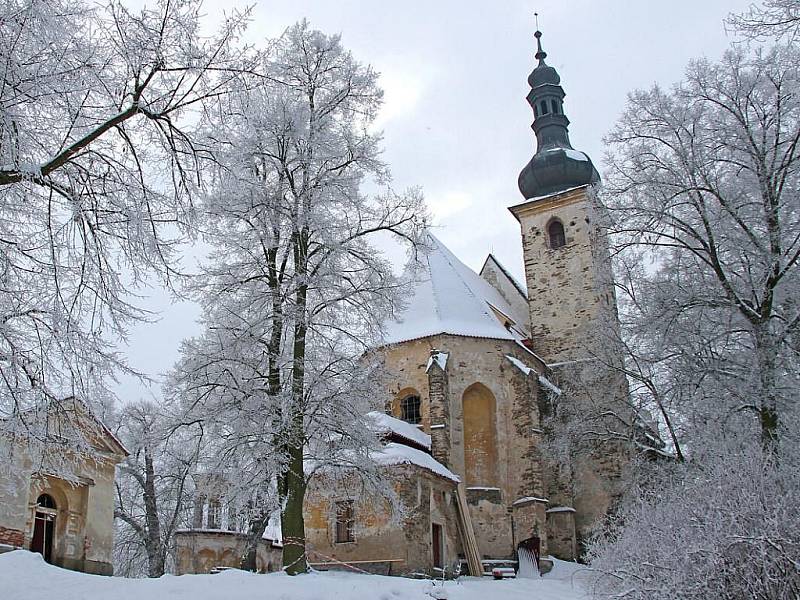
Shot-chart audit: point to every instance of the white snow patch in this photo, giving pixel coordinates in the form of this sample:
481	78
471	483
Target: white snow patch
560	509
549	385
387	424
575	154
25	575
550	195
398	454
527	499
519	364
440	358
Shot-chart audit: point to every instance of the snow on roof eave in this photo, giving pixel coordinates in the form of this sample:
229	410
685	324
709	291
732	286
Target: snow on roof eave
545	197
397	454
388	424
393	342
531	352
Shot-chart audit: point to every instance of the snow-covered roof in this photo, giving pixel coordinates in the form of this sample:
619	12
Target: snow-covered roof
399	454
446	296
439	358
529	499
388	424
560	509
549	385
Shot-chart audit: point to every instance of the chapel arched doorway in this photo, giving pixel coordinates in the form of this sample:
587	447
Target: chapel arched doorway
44	527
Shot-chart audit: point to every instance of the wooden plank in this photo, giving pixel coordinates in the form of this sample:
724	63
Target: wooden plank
468	540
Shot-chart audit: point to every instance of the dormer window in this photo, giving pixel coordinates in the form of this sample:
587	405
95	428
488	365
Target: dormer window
555	234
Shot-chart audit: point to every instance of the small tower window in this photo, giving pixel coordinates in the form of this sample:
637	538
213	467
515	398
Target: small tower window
544	107
554	104
410	410
535	110
555	232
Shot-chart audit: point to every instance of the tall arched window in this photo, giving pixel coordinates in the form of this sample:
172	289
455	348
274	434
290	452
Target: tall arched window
555	234
554	104
480	440
411	409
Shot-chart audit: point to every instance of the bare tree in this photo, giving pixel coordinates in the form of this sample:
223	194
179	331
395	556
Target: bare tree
98	168
704	179
295	291
154	487
774	18
702	188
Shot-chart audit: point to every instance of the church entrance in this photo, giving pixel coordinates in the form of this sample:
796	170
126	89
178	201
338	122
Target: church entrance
438	554
44	527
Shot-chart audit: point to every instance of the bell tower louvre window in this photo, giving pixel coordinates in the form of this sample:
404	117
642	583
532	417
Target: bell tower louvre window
555	234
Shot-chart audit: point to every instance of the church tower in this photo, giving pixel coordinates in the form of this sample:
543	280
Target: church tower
573	314
565	251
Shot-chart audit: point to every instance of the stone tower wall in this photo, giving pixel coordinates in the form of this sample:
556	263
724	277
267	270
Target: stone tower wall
574	327
570	289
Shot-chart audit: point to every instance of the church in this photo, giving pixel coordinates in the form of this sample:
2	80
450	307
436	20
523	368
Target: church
475	363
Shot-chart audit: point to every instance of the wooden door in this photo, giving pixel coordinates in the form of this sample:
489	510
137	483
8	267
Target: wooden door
43	534
436	539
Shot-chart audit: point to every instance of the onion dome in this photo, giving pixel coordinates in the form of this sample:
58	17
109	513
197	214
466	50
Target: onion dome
556	166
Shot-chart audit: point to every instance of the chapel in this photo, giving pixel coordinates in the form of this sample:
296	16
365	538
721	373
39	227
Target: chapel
475	363
67	518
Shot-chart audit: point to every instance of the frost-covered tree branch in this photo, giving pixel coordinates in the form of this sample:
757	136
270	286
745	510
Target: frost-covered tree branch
295	290
99	166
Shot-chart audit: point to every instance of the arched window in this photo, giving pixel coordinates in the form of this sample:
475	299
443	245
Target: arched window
554	104
410	409
45	501
544	107
555	233
480	439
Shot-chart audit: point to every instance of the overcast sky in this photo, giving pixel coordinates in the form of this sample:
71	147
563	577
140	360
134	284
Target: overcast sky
455	118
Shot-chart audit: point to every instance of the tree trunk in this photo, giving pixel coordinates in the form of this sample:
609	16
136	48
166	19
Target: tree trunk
292	522
255	532
766	355
248	561
155	554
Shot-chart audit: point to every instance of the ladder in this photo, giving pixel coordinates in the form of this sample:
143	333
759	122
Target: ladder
468	534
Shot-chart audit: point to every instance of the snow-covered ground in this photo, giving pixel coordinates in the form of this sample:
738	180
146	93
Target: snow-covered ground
25	576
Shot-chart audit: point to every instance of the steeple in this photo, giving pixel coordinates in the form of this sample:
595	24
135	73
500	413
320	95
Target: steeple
556	166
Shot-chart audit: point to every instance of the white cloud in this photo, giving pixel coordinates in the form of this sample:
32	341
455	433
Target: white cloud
449	203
